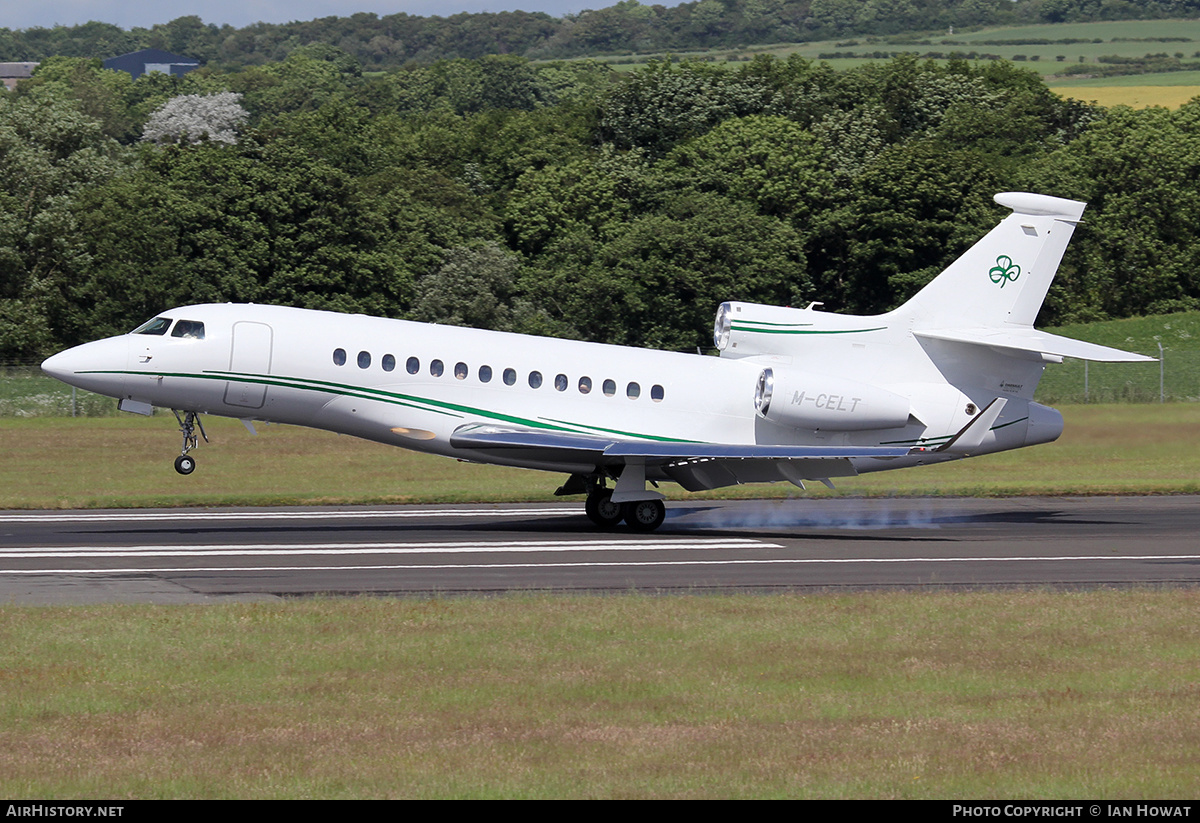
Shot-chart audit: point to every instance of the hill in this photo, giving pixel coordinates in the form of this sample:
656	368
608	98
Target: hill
627	27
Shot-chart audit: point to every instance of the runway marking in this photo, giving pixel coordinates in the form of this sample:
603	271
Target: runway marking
144	517
595	564
290	549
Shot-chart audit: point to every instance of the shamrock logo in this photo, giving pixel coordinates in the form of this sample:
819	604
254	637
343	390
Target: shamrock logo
1004	270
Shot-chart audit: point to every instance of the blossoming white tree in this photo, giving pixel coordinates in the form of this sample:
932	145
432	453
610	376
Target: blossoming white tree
192	118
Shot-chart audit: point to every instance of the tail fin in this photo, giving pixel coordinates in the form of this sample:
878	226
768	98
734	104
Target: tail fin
991	295
1004	277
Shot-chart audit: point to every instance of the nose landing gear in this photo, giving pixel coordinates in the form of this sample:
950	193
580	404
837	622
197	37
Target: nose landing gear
185	463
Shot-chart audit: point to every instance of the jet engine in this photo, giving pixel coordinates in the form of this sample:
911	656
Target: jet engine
813	401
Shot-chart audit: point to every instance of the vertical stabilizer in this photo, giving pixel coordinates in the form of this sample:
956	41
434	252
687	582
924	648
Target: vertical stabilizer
1003	279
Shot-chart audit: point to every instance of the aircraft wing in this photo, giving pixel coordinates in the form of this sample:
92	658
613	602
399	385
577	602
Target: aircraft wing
488	438
694	466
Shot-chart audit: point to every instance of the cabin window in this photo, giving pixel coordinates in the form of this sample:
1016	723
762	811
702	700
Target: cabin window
436	368
633	391
388	362
339	357
535	379
561	382
158	325
485	374
364	360
585	385
412	365
189	329
656	393
461	371
510	377
610	388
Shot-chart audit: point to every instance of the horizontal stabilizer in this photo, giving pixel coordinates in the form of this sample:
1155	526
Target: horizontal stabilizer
1032	340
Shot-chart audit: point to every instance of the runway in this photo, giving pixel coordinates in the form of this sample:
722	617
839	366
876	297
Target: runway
195	556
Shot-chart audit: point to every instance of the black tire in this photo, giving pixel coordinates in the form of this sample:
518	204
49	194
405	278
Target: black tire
185	464
644	515
602	511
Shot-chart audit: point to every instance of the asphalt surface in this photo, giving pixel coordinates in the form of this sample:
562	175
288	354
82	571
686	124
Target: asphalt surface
205	555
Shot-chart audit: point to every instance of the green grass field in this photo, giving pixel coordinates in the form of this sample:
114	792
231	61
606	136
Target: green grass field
1179	335
126	462
1129	39
1016	695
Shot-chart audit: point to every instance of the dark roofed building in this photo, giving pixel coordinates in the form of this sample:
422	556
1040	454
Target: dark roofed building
10	73
145	61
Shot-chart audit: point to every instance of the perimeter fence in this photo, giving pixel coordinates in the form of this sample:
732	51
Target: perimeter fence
26	392
1174	378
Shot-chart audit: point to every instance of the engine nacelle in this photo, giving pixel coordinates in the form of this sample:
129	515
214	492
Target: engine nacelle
811	401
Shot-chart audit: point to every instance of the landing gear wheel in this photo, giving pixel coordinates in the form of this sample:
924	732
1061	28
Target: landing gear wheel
602	511
644	515
185	464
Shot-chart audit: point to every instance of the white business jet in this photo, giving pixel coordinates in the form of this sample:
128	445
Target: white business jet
796	394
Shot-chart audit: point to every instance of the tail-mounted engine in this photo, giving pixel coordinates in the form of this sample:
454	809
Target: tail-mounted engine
747	329
752	329
813	401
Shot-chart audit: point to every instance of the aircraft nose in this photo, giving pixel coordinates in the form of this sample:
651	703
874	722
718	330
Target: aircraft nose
98	366
61	365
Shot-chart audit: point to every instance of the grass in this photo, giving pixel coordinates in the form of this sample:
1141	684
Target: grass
27	392
126	462
1179	335
1007	695
1128	39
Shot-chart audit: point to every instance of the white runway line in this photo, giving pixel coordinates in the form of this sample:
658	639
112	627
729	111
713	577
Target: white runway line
292	549
599	563
149	517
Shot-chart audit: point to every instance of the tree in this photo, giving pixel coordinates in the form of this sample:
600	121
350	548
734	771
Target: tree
49	153
1137	252
103	95
657	280
769	161
193	118
473	287
906	217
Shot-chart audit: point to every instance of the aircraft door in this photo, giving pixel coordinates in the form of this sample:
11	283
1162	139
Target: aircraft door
249	358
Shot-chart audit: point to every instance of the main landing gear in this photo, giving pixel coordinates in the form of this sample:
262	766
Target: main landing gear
644	513
185	463
639	515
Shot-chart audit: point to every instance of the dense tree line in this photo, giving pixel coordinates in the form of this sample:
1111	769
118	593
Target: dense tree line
562	198
628	26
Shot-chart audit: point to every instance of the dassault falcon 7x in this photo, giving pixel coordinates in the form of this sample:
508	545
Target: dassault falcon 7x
795	395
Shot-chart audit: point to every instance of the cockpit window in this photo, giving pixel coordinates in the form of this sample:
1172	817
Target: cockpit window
191	329
158	325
